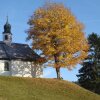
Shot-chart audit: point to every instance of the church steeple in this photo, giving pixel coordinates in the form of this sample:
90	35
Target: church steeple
7	27
7	35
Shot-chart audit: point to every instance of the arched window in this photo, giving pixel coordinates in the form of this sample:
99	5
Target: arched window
6	37
6	66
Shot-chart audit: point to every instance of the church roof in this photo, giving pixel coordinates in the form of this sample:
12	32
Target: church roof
17	51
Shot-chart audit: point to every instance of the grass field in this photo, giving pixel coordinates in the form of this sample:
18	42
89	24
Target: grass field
13	88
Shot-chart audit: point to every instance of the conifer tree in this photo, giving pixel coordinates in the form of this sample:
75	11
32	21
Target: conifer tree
89	74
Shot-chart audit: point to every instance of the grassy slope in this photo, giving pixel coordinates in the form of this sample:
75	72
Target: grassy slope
12	88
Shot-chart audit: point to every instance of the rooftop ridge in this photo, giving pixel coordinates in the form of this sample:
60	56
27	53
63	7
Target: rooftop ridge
2	42
21	44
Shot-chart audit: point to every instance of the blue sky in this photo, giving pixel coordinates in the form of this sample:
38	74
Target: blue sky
19	11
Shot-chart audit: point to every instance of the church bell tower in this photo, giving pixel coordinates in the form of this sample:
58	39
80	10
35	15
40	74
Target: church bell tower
7	35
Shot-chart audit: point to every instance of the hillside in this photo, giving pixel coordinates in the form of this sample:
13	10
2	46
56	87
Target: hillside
12	88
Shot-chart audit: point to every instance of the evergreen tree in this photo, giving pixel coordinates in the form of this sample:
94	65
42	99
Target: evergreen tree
89	74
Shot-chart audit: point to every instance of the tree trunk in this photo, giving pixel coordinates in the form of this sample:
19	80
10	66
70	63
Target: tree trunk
57	65
58	73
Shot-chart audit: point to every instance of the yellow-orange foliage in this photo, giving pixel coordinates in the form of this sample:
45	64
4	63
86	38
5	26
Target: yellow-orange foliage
55	31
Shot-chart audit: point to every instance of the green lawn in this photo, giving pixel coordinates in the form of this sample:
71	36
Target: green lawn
12	88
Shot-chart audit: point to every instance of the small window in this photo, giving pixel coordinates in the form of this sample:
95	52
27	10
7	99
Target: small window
6	37
6	66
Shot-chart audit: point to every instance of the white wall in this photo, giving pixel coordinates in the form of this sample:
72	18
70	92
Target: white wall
38	70
25	69
21	69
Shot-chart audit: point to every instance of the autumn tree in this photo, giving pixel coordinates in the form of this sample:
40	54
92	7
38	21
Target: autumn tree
55	31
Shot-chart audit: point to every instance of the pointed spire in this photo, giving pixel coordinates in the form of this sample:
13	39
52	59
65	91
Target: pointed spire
7	20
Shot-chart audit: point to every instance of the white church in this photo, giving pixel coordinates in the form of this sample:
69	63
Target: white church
17	59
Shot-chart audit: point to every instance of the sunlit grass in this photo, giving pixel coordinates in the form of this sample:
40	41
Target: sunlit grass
13	88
